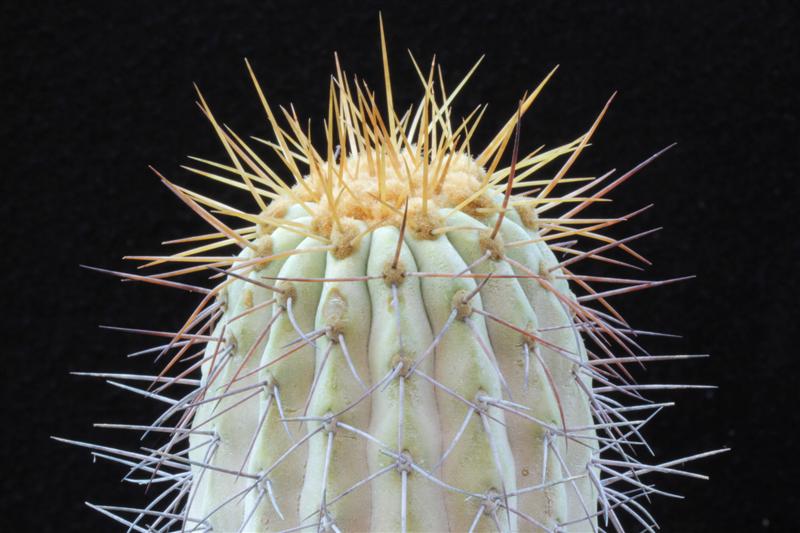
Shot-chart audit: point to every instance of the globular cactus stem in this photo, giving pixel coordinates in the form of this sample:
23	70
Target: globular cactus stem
397	346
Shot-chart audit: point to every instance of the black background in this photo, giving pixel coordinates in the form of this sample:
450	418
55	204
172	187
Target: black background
94	92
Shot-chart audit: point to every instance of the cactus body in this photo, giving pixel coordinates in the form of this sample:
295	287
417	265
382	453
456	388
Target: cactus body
427	410
397	346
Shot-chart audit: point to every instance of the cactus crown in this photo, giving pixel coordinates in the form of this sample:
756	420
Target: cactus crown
381	168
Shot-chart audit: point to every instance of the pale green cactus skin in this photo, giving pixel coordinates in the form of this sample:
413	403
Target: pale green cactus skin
476	360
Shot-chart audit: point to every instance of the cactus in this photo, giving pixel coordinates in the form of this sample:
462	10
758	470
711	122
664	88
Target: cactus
397	345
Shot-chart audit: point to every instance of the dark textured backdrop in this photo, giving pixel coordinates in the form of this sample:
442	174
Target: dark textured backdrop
92	92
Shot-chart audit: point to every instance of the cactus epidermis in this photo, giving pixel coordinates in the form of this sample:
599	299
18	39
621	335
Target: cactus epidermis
397	346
